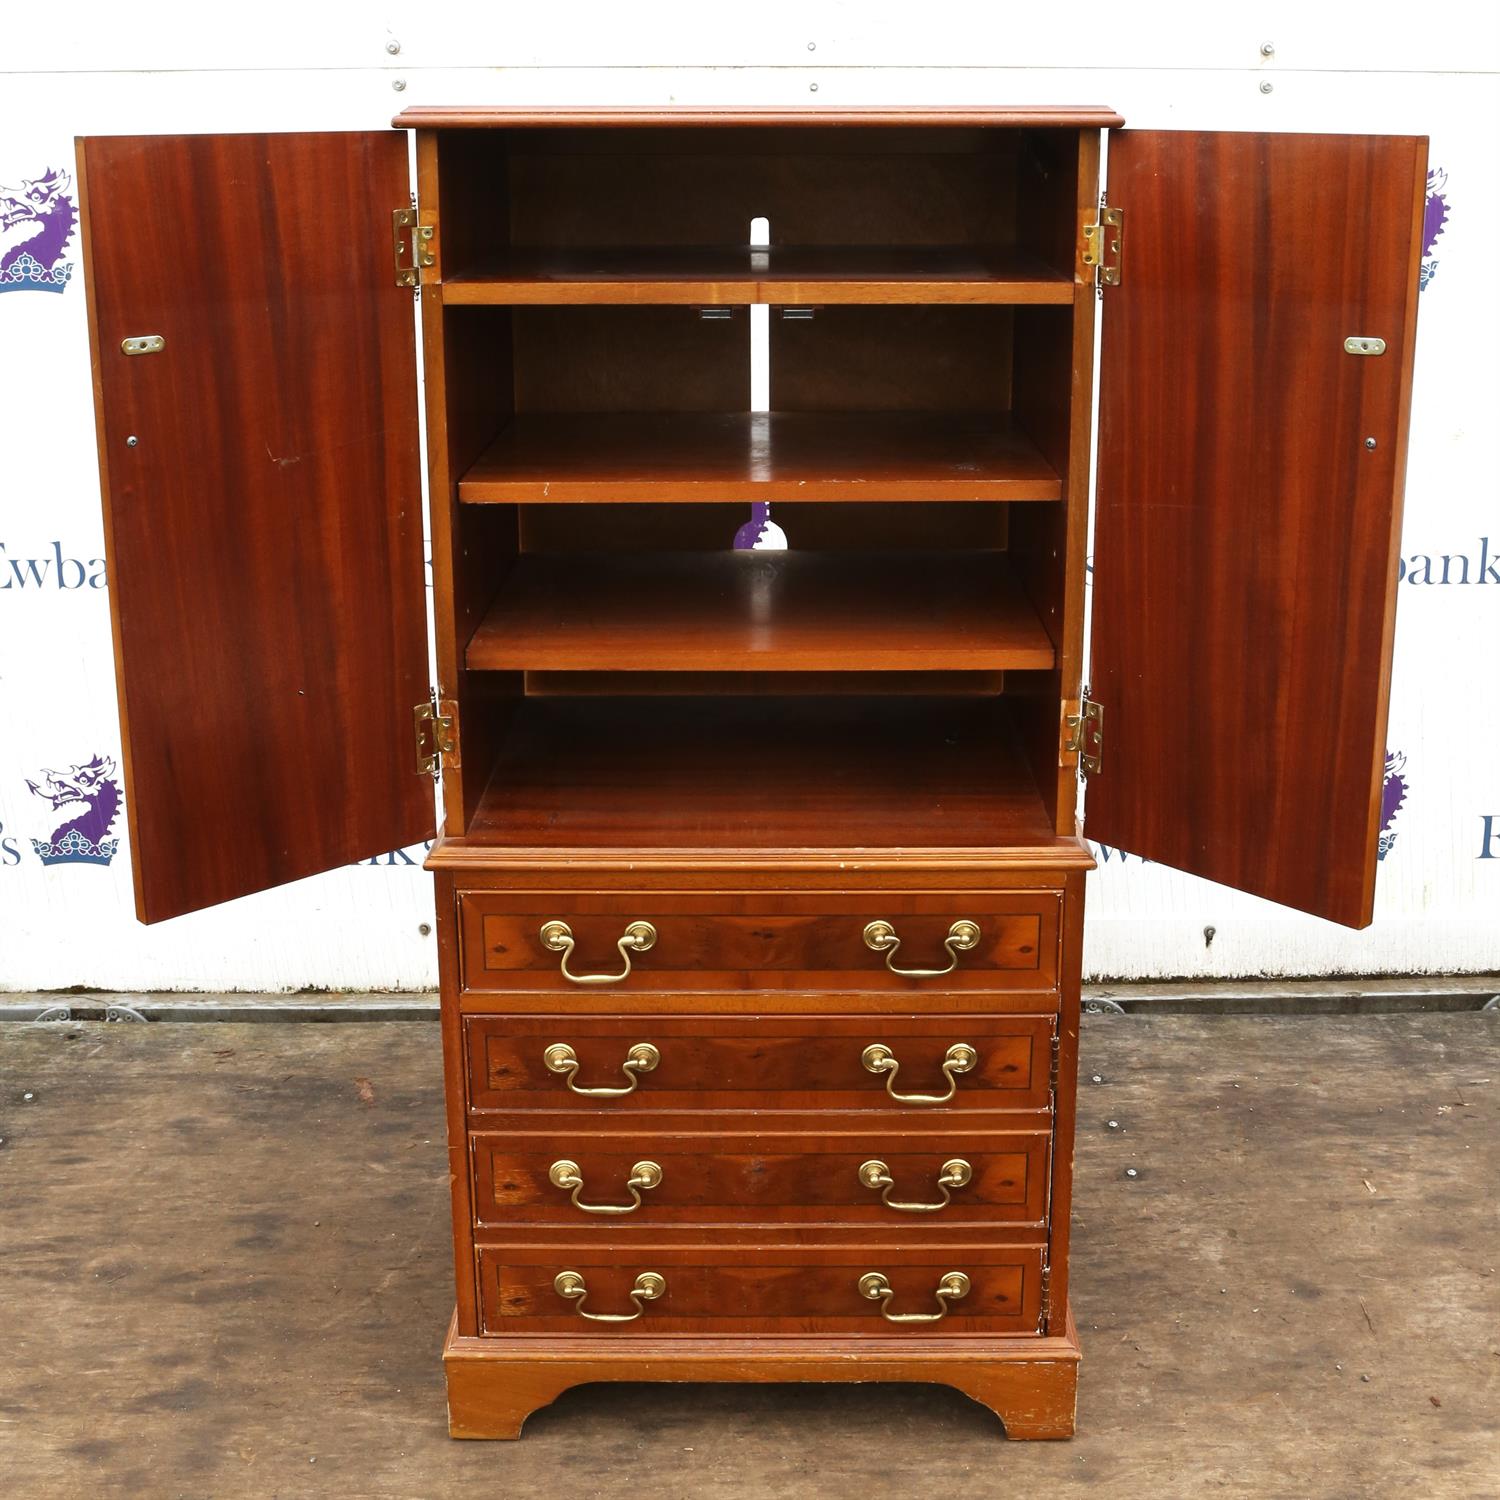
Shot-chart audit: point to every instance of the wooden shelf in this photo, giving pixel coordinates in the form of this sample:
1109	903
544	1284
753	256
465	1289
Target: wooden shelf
773	611
561	458
760	773
741	275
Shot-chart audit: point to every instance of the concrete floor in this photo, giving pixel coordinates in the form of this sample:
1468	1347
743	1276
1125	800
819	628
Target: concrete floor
225	1271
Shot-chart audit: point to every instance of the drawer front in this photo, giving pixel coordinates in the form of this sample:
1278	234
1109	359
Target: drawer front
760	941
753	1289
759	1062
634	1179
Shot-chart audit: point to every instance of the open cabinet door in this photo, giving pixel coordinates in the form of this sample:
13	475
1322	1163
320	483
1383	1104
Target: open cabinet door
262	503
1249	504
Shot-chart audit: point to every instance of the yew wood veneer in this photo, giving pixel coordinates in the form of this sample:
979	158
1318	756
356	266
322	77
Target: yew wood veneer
760	875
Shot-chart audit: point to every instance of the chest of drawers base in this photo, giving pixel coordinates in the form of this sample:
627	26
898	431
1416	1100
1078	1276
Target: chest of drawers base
1029	1383
762	1145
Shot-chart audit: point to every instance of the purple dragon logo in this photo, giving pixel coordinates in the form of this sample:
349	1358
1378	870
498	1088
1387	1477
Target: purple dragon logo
37	219
85	802
1392	798
760	533
1434	221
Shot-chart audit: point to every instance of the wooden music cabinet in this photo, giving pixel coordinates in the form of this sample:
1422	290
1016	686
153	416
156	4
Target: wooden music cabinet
760	886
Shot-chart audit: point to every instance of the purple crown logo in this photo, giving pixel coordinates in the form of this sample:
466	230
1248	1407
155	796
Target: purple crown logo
85	802
1392	799
37	220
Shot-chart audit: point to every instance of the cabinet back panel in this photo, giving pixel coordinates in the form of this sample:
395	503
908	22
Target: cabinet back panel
855	358
700	189
765	684
630	189
787	774
655	359
812	526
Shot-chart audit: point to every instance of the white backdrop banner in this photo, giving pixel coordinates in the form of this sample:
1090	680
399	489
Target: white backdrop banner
66	912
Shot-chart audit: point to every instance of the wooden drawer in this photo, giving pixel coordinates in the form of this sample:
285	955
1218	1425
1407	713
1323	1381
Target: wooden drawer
760	940
835	1177
758	1062
748	1288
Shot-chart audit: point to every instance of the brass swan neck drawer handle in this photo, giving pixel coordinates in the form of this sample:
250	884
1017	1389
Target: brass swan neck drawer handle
876	1176
648	1287
644	1176
642	1058
960	1058
639	937
962	936
953	1286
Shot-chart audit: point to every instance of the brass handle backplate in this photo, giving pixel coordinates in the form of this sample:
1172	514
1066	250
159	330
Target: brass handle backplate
876	1176
642	1058
881	937
960	1058
648	1287
639	937
950	1288
644	1175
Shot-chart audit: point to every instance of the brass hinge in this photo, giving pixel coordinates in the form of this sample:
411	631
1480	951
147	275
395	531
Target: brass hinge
1085	734
437	735
1041	1326
1056	1056
413	243
1102	242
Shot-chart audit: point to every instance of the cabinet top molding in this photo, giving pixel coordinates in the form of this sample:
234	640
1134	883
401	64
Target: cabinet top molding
1069	116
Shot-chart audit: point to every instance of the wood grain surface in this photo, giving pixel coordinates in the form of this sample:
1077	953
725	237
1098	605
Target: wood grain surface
779	611
1030	1383
262	504
726	276
1249	505
773	774
1084	116
762	941
692	188
696	189
758	456
757	1062
758	1176
760	1288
